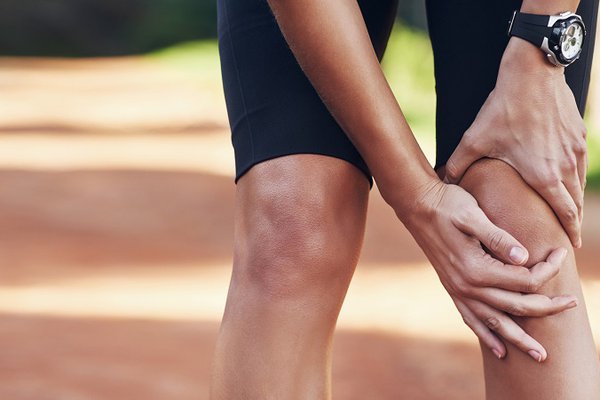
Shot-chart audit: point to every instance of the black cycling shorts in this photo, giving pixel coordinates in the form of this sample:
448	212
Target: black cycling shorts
274	110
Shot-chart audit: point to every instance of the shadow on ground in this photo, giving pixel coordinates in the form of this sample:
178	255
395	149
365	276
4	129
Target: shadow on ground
106	359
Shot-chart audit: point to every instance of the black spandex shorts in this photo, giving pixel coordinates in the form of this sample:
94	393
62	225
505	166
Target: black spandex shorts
274	110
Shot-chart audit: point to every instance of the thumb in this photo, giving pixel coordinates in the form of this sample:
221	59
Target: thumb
466	153
499	242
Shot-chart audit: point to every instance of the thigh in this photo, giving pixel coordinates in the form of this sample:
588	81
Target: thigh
571	370
273	109
468	38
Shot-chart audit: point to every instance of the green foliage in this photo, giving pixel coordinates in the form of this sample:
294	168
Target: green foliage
408	66
593	176
101	27
198	60
164	22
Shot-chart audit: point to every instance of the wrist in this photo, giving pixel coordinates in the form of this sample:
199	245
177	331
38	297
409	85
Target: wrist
523	57
419	202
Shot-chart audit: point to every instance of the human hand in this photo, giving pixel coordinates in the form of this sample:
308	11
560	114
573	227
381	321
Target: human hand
531	121
449	226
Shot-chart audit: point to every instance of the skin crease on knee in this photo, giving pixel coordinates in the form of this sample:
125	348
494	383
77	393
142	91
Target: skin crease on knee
571	371
299	226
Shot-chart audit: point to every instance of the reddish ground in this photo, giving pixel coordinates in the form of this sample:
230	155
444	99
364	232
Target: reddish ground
67	216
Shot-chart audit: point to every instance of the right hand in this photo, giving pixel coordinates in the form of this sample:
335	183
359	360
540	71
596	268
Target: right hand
450	227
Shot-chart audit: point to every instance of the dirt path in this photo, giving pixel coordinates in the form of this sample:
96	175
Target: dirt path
115	240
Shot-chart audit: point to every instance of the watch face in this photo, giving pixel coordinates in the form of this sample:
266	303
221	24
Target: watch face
571	41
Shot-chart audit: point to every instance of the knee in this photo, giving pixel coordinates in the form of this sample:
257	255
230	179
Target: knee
290	244
514	206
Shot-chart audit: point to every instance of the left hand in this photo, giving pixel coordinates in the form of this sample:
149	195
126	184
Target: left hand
531	121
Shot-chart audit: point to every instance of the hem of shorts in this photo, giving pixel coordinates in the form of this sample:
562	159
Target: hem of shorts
248	166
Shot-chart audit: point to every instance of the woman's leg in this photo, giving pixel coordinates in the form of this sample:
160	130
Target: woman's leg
571	371
299	227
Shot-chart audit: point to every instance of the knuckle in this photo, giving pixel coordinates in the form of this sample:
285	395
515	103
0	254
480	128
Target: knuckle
469	140
492	323
474	278
534	284
517	309
463	217
452	169
584	131
469	218
570	214
569	164
580	147
549	179
467	320
462	287
496	240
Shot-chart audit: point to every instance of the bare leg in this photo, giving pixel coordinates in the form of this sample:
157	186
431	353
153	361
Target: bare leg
299	227
571	371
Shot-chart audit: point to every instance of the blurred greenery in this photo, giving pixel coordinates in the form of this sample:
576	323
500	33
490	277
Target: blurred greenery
101	27
198	59
593	176
408	65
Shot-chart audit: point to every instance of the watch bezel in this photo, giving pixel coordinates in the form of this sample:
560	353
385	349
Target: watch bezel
552	45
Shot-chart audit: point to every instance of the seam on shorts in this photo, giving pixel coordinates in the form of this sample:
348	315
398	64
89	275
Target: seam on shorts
237	73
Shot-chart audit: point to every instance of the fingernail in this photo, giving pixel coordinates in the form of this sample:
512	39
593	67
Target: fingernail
535	355
518	255
497	353
573	303
579	243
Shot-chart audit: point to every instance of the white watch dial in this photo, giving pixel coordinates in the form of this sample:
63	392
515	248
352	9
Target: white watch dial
571	41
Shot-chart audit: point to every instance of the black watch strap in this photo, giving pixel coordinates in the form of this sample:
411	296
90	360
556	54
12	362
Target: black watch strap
531	27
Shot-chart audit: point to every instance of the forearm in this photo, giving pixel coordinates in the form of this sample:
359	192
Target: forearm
549	7
332	45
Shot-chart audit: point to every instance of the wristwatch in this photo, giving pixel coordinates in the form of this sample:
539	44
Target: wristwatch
560	36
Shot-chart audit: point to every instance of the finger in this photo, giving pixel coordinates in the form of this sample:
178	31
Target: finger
489	339
564	207
581	173
493	273
504	326
544	271
465	154
573	186
582	169
524	305
502	244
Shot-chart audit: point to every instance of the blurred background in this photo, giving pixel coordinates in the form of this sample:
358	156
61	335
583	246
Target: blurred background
116	177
